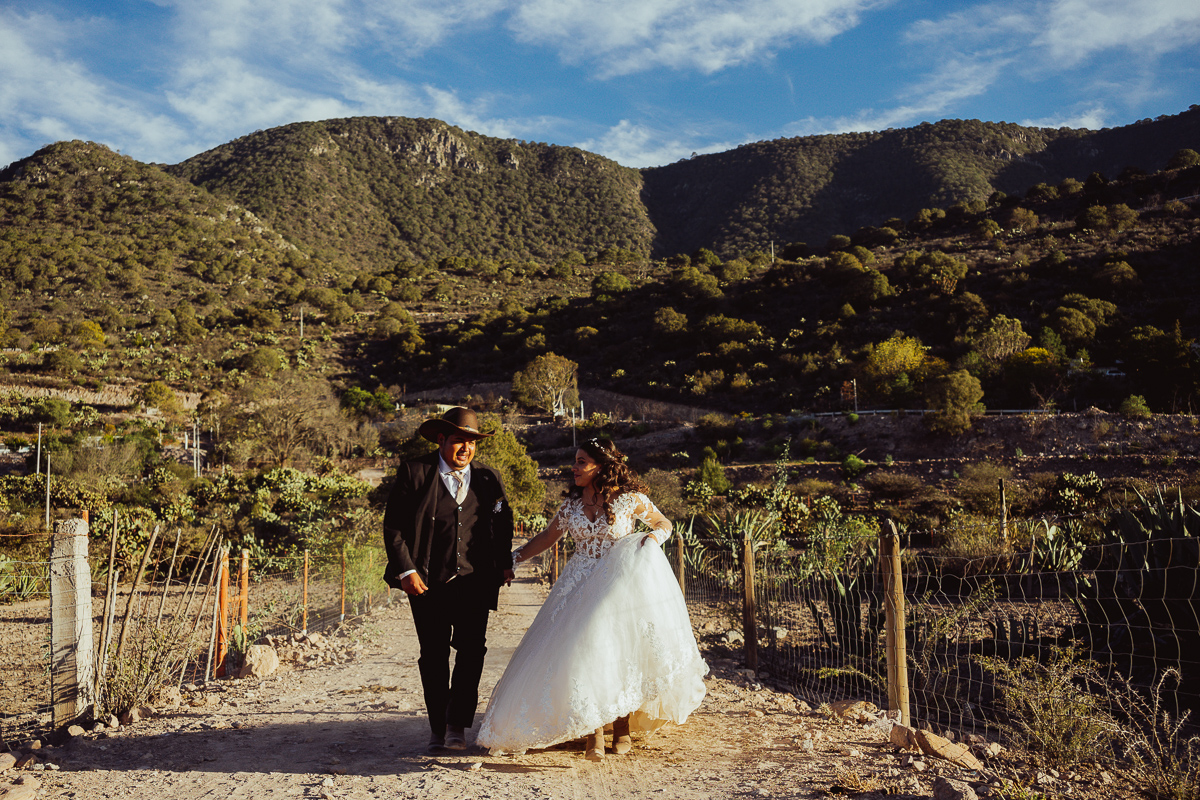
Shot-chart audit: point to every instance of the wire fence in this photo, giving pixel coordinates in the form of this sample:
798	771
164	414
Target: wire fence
176	619
982	636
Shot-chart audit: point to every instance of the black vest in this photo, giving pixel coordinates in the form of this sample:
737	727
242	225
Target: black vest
451	554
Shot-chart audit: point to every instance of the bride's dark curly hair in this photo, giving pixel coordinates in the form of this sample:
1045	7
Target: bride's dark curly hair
614	477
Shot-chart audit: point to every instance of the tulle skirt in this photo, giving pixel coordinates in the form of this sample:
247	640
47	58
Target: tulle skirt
613	638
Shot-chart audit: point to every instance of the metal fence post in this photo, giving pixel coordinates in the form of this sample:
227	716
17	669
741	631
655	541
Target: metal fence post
749	625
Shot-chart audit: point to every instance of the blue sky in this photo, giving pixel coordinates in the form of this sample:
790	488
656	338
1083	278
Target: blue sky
644	82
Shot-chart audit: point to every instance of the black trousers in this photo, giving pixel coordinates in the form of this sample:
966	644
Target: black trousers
453	614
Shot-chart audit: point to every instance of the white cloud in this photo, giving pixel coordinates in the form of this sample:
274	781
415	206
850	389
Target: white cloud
1074	30
47	97
640	146
627	36
1092	117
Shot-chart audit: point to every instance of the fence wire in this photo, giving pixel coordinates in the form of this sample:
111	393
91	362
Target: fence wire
165	631
24	646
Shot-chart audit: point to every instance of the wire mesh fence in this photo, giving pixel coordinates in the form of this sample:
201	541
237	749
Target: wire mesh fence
1019	630
24	644
175	619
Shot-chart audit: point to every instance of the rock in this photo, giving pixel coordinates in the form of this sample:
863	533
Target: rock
172	697
950	789
733	637
934	745
190	687
131	716
75	730
26	760
7	761
847	709
24	788
803	707
99	727
754	712
112	721
904	737
261	661
988	749
780	633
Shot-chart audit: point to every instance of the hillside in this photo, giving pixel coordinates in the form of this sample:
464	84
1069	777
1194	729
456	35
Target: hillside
808	188
369	192
1068	295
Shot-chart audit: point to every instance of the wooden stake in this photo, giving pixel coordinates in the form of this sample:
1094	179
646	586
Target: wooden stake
110	599
244	591
167	583
897	650
304	612
137	580
749	624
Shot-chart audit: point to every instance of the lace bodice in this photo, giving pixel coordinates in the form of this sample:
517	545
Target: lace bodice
594	538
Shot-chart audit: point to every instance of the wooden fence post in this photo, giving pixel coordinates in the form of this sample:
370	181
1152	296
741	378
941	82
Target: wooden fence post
679	561
749	625
893	600
244	591
1003	514
72	680
343	617
304	598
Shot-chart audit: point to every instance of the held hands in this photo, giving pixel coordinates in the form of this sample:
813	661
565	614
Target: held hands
508	577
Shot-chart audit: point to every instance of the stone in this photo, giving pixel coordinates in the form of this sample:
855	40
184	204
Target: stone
848	709
780	633
7	761
171	697
261	661
26	760
938	747
75	730
950	789
112	721
754	712
24	788
131	716
904	737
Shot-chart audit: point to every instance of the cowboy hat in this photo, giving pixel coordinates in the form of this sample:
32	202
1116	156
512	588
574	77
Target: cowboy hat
455	422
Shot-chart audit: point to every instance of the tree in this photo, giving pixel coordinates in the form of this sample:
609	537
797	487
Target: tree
896	355
505	453
1184	158
549	382
288	415
161	396
954	398
667	320
607	284
1004	337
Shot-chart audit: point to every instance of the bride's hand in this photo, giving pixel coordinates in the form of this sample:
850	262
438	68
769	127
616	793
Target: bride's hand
647	538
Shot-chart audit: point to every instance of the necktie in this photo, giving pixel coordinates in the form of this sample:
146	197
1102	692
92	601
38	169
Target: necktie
460	484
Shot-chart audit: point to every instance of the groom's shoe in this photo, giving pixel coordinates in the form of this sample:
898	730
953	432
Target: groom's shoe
456	738
622	743
437	742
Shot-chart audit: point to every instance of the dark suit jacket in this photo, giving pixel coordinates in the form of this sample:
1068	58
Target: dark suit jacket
409	523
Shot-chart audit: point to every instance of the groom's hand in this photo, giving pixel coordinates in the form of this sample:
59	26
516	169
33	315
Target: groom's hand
508	577
413	584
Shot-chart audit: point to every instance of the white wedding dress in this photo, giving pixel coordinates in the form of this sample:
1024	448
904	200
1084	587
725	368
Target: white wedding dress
612	638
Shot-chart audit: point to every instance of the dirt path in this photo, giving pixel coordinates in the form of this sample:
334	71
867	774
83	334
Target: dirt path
357	730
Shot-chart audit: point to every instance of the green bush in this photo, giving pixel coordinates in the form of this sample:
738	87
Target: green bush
1134	406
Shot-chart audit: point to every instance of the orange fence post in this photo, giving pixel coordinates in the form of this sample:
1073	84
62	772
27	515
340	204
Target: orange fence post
222	616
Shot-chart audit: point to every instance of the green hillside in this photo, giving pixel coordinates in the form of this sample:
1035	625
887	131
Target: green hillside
369	192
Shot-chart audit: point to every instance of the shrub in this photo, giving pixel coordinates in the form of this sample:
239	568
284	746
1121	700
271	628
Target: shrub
853	466
1050	710
1134	406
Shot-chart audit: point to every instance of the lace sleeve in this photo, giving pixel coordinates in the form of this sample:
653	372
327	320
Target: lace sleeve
647	512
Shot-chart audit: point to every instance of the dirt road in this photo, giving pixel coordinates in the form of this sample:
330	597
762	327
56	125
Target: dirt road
357	730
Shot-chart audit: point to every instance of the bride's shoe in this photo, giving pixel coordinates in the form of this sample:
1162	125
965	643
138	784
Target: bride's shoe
622	744
595	745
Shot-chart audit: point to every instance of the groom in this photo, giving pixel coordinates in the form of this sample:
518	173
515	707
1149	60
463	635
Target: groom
448	531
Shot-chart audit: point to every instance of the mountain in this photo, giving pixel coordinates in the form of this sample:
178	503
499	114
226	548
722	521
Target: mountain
809	188
372	191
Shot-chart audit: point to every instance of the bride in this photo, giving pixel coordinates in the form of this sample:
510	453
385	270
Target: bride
612	643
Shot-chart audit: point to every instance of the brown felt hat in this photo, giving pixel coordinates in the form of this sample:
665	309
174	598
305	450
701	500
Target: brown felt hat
455	422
